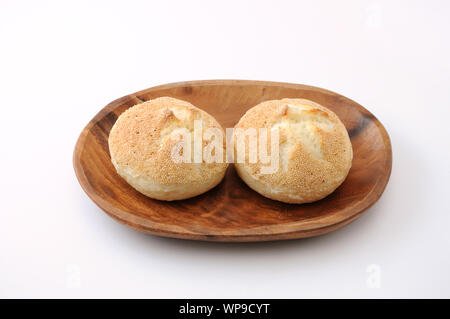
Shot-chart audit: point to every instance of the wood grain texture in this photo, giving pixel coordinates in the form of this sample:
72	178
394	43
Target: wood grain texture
232	211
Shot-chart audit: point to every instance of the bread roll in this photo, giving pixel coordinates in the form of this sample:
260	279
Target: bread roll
142	144
315	152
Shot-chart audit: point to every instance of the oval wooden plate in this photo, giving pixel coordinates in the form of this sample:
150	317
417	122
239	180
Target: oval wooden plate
232	211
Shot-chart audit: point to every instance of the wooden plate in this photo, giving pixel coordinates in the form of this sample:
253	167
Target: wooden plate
232	211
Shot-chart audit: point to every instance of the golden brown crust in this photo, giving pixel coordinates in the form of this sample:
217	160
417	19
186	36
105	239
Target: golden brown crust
315	151
141	142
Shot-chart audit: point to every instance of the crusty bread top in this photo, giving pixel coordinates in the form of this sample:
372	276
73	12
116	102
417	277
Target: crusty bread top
142	139
315	149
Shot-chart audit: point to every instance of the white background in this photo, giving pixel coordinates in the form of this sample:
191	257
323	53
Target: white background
61	62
